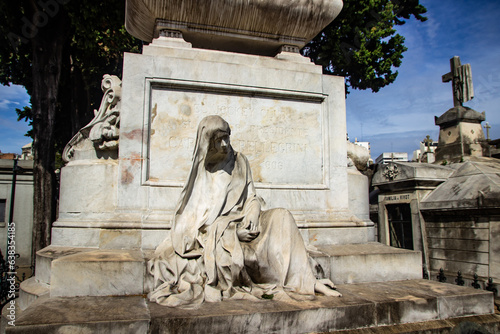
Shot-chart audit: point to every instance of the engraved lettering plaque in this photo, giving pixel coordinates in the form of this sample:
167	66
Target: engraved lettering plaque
281	132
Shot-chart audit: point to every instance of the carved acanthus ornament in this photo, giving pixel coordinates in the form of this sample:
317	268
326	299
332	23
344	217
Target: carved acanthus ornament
104	130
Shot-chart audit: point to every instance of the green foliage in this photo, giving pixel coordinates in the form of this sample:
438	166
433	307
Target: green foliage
26	114
362	45
95	45
15	50
98	38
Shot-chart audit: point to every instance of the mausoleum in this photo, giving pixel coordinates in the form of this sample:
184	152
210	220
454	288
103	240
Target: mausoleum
448	210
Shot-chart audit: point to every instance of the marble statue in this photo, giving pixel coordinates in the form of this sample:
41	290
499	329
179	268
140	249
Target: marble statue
222	245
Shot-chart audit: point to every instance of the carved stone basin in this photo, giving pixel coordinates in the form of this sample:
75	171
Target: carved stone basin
250	26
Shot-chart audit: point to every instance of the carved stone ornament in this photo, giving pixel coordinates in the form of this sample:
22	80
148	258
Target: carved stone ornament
103	131
391	172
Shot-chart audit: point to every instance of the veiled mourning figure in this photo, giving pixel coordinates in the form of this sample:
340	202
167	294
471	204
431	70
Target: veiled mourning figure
222	245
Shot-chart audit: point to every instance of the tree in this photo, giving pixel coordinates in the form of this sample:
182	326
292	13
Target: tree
58	50
362	45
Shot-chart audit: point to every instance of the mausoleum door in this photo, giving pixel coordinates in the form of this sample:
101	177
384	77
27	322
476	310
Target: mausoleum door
400	225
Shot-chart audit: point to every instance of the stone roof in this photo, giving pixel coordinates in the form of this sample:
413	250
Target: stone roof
474	185
402	175
460	114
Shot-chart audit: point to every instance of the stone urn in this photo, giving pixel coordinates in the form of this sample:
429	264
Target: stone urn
248	26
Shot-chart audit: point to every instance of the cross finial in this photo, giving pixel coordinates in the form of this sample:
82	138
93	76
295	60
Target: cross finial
461	78
487	127
428	141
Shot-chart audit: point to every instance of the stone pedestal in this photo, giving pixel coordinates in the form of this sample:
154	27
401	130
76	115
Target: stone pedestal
286	117
460	134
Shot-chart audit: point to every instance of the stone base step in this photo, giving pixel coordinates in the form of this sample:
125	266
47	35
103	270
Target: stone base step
44	258
30	290
369	262
363	306
76	271
481	324
101	272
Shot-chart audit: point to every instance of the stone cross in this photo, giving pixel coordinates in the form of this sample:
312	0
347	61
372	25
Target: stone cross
461	77
487	127
428	141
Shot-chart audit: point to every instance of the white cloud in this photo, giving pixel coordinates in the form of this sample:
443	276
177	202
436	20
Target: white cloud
6	104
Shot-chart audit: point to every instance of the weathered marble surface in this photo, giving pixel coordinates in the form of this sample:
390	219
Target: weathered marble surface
278	137
377	260
369	262
98	273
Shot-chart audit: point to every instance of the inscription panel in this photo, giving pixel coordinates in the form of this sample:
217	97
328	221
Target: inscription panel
281	133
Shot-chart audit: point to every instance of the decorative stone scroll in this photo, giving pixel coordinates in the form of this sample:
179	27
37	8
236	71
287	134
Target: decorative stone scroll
103	131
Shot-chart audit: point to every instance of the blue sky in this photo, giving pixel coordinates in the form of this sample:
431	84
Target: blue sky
399	116
11	131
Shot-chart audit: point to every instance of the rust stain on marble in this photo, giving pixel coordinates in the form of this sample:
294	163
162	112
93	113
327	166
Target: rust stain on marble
134	134
127	177
135	158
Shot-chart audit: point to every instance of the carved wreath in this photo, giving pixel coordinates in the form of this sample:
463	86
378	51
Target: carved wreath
391	172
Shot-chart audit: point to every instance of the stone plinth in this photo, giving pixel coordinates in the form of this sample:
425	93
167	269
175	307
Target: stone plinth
370	262
88	190
287	118
362	306
98	273
77	271
460	134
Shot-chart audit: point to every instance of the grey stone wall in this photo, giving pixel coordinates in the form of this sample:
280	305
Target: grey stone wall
464	242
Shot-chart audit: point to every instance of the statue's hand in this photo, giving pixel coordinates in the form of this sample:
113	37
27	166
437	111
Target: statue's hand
245	235
251	221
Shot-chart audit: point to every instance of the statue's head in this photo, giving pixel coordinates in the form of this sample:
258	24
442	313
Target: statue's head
212	143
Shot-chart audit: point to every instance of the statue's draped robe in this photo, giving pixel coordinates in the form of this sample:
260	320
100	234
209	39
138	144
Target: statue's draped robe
203	258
